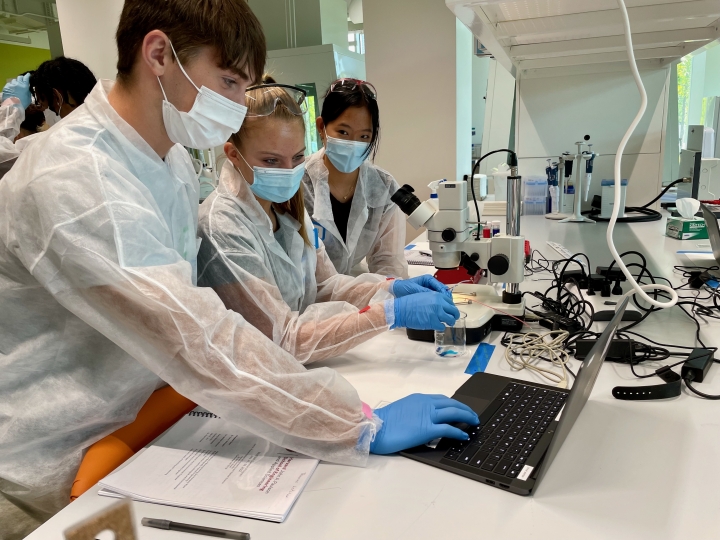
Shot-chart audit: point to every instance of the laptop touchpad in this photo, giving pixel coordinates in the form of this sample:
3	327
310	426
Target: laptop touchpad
476	404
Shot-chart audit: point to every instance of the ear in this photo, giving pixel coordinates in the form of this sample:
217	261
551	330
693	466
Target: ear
320	125
232	154
57	98
156	52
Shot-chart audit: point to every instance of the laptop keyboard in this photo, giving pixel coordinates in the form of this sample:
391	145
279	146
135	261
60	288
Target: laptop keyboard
503	444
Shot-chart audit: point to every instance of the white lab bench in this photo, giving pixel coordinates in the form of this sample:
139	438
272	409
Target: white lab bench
628	470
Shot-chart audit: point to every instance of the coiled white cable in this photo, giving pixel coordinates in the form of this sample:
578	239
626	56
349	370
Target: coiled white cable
525	351
636	288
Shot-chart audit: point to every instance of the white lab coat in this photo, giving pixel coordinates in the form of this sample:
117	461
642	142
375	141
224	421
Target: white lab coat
11	116
376	226
98	308
281	285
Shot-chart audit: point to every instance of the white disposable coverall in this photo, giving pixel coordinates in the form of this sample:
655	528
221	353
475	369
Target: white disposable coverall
286	288
11	116
376	226
98	308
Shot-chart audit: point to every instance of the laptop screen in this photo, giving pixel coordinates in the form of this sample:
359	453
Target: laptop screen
581	389
713	230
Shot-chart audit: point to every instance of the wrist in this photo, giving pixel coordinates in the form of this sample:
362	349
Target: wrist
390	312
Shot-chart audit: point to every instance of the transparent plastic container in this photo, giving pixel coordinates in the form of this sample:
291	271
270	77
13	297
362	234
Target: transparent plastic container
535	206
451	342
535	187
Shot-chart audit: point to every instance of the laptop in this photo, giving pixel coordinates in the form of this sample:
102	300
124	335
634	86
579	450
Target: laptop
522	424
713	230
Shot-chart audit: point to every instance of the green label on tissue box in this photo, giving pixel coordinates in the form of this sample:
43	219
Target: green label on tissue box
686	229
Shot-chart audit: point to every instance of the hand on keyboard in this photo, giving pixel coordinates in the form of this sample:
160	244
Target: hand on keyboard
418	419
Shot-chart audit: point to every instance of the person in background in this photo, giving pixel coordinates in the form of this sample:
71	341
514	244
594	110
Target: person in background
56	88
98	256
347	196
260	253
61	85
34	122
15	100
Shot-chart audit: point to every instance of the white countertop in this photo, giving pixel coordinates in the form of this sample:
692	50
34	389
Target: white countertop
628	470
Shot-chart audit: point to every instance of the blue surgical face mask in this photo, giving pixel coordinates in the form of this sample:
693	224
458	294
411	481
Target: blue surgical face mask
276	185
347	156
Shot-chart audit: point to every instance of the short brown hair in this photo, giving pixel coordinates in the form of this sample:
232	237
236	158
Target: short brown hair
228	26
289	111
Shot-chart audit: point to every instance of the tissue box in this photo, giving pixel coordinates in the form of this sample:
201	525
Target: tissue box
686	228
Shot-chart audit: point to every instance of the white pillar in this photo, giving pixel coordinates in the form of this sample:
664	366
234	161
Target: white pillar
88	30
411	59
498	116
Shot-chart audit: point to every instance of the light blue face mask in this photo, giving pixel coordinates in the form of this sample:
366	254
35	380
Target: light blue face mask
347	156
276	185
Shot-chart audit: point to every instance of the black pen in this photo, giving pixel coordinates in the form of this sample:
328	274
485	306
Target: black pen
195	529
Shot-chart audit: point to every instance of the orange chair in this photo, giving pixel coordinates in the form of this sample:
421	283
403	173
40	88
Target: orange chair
161	410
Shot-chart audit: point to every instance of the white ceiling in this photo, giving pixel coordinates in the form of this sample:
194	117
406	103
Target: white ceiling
532	36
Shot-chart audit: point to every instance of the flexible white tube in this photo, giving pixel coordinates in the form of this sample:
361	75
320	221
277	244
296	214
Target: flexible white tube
637	288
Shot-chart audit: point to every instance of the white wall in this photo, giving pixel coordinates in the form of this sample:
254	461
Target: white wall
555	112
88	33
410	58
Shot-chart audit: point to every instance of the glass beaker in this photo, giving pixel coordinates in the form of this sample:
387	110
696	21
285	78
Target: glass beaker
451	342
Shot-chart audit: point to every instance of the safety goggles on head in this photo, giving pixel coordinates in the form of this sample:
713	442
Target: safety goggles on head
353	84
298	95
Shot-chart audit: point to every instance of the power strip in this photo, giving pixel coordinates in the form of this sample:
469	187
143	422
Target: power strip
565	253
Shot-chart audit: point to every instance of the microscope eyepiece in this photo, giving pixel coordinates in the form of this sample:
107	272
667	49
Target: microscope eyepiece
406	200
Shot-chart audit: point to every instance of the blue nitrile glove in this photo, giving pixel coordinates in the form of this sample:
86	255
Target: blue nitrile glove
19	88
425	311
418	419
424	283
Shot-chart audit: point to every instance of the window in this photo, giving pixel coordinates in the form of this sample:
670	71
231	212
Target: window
356	41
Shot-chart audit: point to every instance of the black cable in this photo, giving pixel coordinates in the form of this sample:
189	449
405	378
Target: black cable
688	380
663	192
472	181
646	214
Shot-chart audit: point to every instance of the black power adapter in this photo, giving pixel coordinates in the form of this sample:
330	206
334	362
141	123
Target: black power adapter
615	274
621	350
697	365
575	276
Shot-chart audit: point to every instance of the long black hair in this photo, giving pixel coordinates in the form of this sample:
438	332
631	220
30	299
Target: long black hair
343	95
68	76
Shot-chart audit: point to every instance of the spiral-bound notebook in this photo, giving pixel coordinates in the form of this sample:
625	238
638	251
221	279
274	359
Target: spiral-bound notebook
416	256
206	463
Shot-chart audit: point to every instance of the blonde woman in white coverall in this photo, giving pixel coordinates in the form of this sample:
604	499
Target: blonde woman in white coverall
260	252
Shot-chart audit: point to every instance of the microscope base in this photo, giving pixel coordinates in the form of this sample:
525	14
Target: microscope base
484	314
575	219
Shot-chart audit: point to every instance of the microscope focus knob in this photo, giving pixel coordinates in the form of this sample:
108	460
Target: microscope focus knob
448	235
499	264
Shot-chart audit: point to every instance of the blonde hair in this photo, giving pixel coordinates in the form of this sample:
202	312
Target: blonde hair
287	110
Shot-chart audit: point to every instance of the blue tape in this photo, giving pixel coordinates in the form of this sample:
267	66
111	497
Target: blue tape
410	246
481	358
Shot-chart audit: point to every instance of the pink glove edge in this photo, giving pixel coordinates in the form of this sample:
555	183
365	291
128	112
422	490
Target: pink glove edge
367	411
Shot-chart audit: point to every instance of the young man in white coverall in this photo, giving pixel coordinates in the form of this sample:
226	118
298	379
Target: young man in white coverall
98	298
